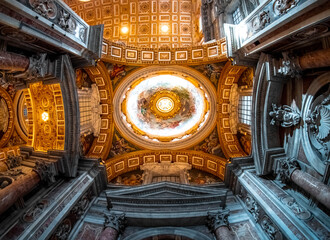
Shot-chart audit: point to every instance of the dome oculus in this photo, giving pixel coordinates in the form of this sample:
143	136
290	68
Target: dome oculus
165	107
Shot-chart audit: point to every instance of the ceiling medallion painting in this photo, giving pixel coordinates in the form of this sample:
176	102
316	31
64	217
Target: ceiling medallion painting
164	109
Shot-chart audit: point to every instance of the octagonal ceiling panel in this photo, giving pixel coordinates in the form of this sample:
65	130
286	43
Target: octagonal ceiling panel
143	18
168	108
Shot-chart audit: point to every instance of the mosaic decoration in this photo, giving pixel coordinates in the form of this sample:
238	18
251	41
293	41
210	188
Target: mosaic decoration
120	146
82	79
129	179
211	71
117	72
86	143
144	20
199	177
164	107
211	145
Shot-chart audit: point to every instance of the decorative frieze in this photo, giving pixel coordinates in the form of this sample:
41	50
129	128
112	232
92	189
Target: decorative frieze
283	6
297	209
64	229
66	19
46	9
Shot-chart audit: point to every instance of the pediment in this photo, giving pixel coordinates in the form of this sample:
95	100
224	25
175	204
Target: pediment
165	190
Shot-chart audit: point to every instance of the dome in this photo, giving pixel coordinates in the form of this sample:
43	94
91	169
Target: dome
164	108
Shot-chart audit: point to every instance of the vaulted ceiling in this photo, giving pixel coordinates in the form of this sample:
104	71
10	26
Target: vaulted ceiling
144	20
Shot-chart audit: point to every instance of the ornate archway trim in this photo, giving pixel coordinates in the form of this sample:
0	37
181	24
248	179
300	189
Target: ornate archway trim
10	129
229	142
306	109
189	233
132	161
127	55
102	144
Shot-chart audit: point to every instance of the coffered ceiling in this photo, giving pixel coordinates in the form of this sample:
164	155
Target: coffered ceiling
144	20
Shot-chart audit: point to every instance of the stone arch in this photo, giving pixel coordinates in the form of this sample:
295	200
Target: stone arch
102	144
185	232
229	142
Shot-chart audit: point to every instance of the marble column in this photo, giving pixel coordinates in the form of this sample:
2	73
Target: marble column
23	182
218	223
289	170
13	62
17	189
313	186
315	59
113	226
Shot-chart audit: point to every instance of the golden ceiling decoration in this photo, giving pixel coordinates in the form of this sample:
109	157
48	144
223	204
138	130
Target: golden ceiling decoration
165	104
48	134
145	20
7	116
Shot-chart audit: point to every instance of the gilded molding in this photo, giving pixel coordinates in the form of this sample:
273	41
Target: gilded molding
127	55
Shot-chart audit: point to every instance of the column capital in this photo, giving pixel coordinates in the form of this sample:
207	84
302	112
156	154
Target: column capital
115	221
286	167
217	219
45	171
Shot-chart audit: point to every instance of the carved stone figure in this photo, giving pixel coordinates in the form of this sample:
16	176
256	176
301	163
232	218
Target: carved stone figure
283	6
67	22
285	115
269	228
45	8
299	211
253	207
319	126
260	21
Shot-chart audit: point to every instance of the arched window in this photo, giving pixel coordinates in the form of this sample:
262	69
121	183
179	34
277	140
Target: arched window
244	109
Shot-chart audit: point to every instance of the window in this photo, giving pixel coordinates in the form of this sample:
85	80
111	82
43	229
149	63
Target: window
237	16
244	109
